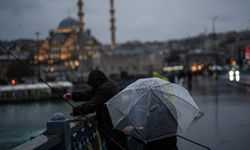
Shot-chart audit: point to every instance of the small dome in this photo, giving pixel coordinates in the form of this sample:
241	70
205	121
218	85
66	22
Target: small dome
68	23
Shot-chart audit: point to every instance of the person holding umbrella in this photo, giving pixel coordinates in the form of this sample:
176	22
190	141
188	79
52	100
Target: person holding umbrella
170	141
151	110
167	143
102	90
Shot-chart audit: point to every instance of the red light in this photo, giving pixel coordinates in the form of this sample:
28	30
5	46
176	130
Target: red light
13	82
247	52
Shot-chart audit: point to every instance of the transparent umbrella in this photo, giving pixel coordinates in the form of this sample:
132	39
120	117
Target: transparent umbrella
151	109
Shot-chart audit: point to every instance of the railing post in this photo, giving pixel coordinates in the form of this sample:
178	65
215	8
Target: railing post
59	124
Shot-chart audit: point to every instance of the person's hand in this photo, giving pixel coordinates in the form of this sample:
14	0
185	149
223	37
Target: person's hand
67	96
128	129
76	111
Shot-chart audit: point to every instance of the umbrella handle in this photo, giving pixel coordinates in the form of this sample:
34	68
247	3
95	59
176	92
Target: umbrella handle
193	142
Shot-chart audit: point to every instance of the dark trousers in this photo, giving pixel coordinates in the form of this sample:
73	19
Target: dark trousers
162	144
117	142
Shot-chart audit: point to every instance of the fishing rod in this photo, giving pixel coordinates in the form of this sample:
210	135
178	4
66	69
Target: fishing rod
196	143
60	96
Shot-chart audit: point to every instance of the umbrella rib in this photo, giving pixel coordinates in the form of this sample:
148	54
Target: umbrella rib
148	114
171	111
177	96
127	112
165	84
164	105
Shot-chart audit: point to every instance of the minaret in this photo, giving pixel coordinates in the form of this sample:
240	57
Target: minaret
80	15
112	28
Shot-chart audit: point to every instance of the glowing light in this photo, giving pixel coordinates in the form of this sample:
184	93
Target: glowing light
77	63
52	69
199	67
173	68
13	82
194	68
231	78
231	73
234	75
237	78
167	69
233	62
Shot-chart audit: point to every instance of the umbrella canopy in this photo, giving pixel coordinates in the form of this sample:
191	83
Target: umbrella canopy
151	109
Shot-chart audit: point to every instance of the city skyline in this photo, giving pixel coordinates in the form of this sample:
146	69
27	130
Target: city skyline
144	20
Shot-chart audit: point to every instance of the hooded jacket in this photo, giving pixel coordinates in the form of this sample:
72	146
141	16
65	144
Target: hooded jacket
102	90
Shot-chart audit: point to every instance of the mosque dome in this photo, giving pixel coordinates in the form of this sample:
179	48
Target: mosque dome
68	23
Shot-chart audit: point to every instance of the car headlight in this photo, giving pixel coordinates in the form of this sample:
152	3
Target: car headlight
231	75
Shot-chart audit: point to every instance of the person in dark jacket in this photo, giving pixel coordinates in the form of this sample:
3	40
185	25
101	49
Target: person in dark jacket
169	142
102	90
189	79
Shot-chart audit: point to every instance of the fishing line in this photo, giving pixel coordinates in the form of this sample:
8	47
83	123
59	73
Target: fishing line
32	72
196	143
60	96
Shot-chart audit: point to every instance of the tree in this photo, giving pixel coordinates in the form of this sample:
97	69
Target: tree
173	57
17	71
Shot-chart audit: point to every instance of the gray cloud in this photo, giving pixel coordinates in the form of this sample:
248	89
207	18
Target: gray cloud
16	8
136	19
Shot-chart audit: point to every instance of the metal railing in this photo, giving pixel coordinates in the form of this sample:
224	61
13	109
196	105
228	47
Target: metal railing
77	134
64	134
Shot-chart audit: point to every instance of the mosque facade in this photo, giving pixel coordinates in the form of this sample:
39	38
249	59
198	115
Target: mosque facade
69	50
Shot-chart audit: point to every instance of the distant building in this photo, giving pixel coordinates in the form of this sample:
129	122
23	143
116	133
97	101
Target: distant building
69	51
139	61
9	63
23	50
201	57
66	52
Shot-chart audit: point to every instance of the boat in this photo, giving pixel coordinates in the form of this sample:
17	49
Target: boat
34	92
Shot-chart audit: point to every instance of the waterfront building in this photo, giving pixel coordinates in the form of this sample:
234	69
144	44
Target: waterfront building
69	51
112	26
23	50
137	61
201	57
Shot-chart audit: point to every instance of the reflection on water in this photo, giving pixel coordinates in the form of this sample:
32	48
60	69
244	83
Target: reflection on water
19	121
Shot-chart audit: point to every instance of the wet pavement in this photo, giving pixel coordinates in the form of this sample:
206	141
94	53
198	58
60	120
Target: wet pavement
226	121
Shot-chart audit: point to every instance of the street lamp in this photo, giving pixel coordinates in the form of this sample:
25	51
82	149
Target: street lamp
215	74
37	52
213	23
37	45
215	46
248	25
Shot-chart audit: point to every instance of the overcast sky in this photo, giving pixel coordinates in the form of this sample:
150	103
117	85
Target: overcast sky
145	20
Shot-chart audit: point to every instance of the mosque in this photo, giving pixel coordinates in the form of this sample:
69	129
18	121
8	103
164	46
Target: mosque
70	50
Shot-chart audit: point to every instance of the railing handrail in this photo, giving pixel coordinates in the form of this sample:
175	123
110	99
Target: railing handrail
40	142
46	141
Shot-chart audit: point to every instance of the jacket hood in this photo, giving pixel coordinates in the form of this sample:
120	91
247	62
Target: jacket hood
96	78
